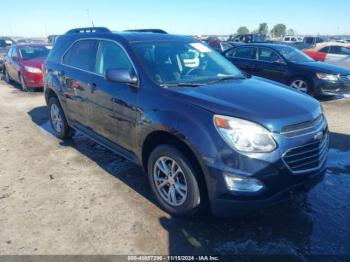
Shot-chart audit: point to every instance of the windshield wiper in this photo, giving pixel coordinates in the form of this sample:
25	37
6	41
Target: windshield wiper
181	84
226	78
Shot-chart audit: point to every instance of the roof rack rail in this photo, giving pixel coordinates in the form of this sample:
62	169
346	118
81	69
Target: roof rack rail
158	31
89	30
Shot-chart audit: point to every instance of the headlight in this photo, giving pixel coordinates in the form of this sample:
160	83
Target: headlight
327	77
243	135
32	70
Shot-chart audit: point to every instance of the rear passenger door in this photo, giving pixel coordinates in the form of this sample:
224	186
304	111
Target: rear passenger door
270	65
77	78
244	58
114	104
12	63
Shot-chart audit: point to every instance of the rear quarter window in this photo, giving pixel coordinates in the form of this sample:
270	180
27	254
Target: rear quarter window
243	52
81	55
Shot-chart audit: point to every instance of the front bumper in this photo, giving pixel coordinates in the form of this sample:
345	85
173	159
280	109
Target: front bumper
33	80
297	164
237	206
324	88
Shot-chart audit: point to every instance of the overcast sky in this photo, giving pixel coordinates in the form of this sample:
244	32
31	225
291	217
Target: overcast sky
39	18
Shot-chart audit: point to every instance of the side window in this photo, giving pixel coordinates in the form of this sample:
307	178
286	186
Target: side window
267	55
324	49
81	55
14	52
9	53
2	43
334	50
344	50
111	56
244	52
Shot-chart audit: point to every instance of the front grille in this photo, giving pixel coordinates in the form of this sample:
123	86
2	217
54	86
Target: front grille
305	127
307	157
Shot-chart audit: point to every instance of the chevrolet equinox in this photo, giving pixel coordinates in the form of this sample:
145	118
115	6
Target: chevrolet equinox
207	135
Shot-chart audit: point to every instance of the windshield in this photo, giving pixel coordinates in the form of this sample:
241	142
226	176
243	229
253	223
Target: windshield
37	52
180	62
293	55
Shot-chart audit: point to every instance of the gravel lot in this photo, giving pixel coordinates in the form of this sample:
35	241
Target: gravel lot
79	198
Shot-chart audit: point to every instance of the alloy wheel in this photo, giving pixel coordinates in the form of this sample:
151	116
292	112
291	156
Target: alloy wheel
56	118
170	181
299	84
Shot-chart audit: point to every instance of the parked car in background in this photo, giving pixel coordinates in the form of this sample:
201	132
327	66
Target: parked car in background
288	65
292	39
198	132
24	63
30	41
331	52
248	38
309	42
218	44
51	39
5	43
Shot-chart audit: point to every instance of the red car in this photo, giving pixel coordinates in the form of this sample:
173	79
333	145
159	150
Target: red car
24	64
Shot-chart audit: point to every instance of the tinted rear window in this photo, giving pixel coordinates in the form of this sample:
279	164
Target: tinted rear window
82	55
244	52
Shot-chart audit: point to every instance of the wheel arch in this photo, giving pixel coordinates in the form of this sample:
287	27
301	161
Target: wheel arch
161	137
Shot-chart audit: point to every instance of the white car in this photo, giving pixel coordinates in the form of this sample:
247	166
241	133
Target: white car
332	53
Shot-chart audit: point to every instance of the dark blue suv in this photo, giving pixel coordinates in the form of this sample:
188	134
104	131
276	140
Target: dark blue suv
207	135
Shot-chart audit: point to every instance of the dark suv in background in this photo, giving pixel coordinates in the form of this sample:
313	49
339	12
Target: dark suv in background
206	134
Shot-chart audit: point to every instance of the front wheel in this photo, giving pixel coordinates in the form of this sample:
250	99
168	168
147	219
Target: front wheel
301	84
174	181
58	120
23	83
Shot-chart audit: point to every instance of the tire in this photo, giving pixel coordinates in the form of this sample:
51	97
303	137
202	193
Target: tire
175	204
7	77
23	83
301	84
58	120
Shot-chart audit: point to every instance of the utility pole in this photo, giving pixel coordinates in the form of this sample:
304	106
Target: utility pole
88	17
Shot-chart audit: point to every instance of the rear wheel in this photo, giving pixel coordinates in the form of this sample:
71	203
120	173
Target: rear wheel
23	83
58	120
173	181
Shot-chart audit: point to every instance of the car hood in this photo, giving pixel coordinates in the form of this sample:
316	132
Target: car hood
37	63
322	67
262	101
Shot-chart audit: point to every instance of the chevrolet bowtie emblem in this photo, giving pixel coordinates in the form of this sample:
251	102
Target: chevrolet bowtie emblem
318	136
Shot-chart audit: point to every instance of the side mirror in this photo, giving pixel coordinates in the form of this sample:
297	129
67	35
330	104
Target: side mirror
121	76
280	62
15	58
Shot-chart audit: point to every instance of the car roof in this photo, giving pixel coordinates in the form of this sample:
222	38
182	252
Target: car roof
131	36
274	46
31	44
146	36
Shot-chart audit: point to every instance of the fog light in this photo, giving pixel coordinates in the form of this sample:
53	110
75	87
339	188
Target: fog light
243	184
